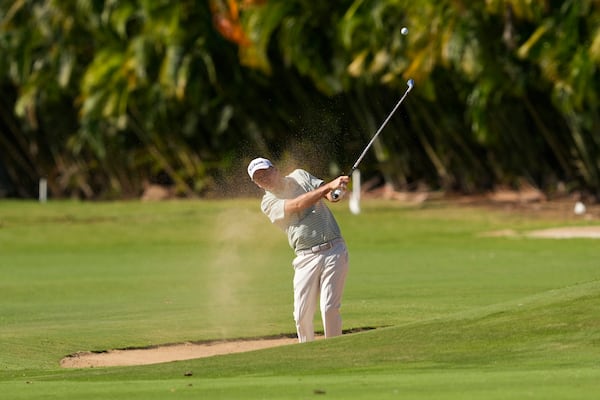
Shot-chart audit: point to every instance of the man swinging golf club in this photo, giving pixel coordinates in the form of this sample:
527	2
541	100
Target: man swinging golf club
295	203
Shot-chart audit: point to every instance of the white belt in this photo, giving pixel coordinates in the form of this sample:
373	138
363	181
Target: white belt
319	248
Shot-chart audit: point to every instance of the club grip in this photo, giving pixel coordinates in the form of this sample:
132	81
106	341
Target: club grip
337	194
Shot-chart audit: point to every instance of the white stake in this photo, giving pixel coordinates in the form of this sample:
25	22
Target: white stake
354	201
43	187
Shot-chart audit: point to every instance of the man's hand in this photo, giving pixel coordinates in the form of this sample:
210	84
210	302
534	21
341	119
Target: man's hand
338	184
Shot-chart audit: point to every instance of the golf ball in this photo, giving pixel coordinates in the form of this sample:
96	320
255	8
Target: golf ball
404	31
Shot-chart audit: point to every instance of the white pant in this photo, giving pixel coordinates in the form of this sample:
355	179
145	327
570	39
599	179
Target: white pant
320	275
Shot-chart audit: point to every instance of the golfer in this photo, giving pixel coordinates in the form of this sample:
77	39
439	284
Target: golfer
295	204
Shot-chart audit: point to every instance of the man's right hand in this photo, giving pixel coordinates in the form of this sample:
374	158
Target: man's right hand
337	188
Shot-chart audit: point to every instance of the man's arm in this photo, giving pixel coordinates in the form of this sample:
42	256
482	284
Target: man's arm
310	198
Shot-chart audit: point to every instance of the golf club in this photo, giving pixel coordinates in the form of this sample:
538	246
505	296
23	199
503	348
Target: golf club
337	193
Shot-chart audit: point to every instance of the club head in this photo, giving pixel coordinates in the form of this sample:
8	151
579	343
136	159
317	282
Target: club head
410	83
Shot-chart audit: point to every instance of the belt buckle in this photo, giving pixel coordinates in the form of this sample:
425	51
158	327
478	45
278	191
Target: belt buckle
321	247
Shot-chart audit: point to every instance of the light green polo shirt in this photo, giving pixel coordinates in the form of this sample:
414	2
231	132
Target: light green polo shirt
309	227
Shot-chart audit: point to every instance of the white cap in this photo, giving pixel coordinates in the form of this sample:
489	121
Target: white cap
258	163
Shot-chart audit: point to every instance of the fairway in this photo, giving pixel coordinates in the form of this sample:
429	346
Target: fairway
457	313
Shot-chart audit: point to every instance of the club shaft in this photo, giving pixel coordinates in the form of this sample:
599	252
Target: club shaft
362	155
337	193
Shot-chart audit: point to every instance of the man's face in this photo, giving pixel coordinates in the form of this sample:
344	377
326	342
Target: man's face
267	179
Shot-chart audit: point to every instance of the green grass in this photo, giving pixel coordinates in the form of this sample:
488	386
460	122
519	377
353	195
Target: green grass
458	315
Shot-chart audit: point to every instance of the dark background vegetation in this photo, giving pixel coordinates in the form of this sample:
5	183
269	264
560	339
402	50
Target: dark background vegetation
103	98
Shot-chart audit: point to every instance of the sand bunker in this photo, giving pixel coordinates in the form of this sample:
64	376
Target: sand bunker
179	352
591	232
176	352
573	232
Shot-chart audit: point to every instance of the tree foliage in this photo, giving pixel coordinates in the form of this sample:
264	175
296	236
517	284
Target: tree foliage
103	97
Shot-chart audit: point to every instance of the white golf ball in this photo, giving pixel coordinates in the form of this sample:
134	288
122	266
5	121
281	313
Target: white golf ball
404	31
